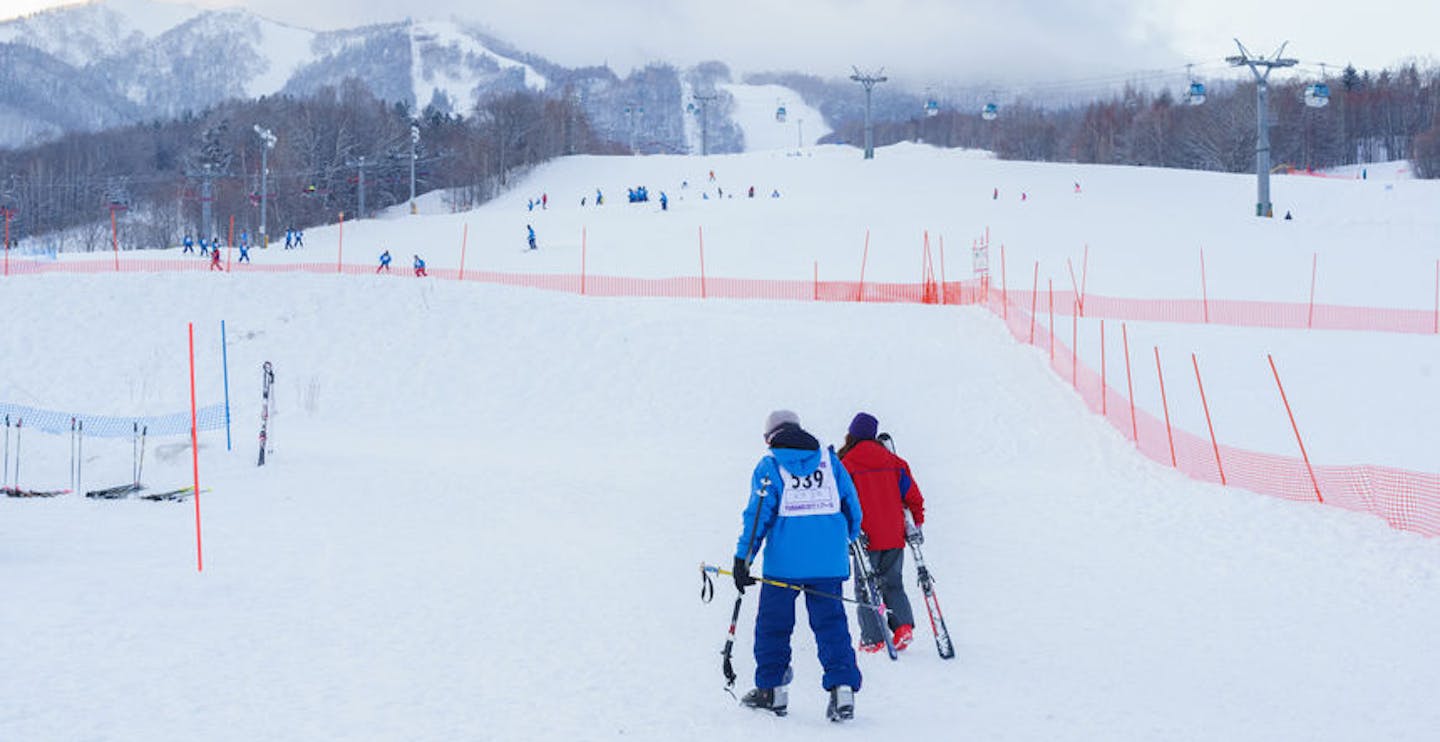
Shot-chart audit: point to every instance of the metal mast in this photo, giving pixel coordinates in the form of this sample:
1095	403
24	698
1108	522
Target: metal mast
869	81
1263	207
267	140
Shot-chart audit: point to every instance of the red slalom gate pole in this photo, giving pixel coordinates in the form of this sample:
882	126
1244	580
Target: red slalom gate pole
865	258
1296	428
1166	405
195	454
702	261
1213	442
1204	292
465	242
1130	385
1310	320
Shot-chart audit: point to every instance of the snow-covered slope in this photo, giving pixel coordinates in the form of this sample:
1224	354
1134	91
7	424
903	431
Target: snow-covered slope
83	34
755	113
485	506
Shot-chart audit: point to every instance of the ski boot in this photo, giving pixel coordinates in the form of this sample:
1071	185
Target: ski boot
842	704
903	636
774	700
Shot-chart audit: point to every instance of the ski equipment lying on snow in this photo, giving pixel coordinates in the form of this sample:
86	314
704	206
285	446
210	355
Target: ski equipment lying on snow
173	495
869	593
267	380
137	464
943	645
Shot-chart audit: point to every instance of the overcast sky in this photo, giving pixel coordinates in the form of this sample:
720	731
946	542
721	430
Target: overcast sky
924	43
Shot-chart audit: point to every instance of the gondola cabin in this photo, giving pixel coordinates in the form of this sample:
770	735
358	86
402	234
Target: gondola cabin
990	112
1317	95
1196	96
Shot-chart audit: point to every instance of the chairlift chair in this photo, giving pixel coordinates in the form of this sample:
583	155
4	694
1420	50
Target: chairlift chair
780	114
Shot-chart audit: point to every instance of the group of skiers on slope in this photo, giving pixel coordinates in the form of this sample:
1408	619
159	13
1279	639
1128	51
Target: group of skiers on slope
807	504
384	266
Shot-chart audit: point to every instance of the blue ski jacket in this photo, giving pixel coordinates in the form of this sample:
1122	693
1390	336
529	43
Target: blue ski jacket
799	548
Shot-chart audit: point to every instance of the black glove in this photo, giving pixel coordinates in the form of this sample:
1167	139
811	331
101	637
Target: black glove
741	571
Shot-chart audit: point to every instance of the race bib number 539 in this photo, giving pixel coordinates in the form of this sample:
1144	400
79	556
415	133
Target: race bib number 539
812	494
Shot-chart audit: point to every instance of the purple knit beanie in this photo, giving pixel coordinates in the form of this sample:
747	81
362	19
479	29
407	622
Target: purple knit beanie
864	426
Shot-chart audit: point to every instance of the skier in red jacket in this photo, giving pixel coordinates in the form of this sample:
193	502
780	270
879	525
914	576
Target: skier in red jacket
886	491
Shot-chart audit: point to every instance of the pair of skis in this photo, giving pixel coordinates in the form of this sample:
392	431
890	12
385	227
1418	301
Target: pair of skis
943	645
14	490
267	381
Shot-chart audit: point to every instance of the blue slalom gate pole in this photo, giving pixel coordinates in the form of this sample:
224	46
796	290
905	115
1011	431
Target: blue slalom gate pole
225	363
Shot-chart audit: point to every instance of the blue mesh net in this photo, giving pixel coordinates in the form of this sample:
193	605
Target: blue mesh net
105	426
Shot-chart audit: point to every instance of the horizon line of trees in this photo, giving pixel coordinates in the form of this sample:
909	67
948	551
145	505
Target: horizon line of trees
153	174
1392	115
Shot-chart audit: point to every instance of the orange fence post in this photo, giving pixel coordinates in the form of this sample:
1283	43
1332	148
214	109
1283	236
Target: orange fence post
340	244
1296	428
1166	405
1129	385
465	240
1034	297
1104	387
860	296
1310	319
1204	293
1213	442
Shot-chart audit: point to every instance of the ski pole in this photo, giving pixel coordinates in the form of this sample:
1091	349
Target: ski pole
708	590
139	470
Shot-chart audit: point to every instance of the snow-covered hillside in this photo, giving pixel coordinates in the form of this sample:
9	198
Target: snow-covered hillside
755	112
486	505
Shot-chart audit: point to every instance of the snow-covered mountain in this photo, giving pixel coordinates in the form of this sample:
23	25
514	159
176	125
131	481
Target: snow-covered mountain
165	59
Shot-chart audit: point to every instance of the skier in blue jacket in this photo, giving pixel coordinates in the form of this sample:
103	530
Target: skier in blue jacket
803	508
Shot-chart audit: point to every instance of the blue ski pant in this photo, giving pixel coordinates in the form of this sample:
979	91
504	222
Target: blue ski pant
775	621
886	565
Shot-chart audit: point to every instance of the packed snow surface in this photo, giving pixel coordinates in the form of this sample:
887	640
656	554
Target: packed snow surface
486	505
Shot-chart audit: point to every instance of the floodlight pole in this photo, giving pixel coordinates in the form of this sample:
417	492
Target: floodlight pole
1263	207
267	142
868	81
704	101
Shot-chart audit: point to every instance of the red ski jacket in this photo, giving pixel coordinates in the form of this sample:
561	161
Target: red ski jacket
886	488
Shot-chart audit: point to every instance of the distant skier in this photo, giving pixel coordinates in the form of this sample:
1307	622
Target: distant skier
204	247
189	243
664	202
996	195
384	262
531	236
1077	186
775	193
599	198
215	260
299	238
712	176
530	204
544	201
244	253
420	267
289	238
803	507
752	192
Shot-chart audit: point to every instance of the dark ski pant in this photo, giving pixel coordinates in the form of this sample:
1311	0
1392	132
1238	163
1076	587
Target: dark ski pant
886	565
776	620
